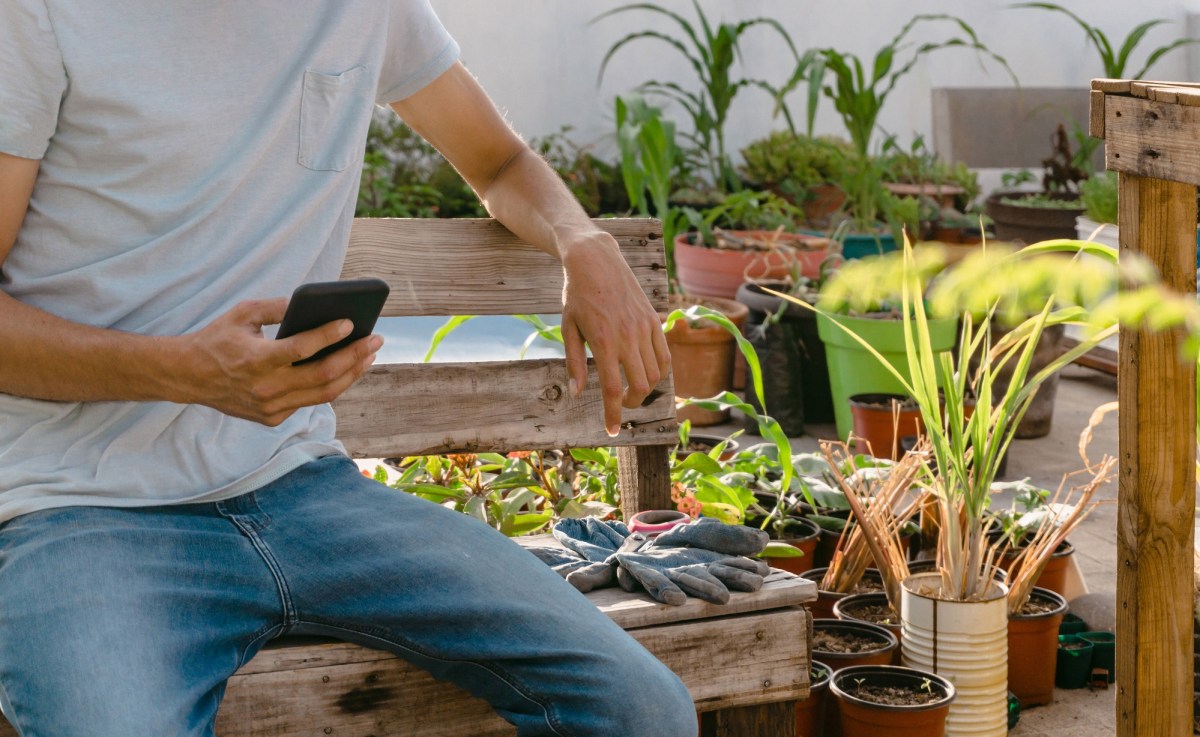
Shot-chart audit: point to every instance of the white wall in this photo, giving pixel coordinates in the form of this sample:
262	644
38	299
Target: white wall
539	58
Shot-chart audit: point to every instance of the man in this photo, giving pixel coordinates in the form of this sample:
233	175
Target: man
171	495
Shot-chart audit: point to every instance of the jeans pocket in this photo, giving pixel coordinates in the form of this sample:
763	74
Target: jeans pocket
334	114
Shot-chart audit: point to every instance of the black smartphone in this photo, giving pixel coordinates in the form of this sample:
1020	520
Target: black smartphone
318	303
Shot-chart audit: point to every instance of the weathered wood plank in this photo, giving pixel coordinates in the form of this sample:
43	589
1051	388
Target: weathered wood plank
1176	95
1157	441
416	409
728	662
1152	139
1112	86
492	271
1096	117
644	477
766	720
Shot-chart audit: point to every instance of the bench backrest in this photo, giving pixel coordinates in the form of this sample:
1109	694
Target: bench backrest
478	267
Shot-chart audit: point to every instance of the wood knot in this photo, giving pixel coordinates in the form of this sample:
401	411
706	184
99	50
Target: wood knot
551	394
1152	153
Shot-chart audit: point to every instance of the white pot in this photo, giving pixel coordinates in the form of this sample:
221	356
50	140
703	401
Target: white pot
965	642
1090	230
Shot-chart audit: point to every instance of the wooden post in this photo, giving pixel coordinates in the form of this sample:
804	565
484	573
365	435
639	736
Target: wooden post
1157	393
769	720
644	476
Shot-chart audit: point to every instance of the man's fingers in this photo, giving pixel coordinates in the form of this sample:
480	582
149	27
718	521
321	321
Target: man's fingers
324	380
576	356
303	345
259	312
611	391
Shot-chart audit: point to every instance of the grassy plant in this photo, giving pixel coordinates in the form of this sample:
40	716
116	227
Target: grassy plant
711	50
1114	60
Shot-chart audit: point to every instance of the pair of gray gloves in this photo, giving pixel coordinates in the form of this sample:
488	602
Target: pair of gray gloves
704	558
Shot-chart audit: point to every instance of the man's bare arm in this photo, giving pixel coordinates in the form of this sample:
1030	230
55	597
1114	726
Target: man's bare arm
602	303
228	365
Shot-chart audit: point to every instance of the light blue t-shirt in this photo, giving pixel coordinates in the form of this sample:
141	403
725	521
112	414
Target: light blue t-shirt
193	155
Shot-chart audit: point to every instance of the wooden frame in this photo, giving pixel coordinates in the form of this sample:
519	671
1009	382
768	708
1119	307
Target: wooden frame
1151	131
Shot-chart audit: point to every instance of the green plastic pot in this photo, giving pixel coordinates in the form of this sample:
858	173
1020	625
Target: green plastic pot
1103	650
1071	624
853	370
1074	666
861	245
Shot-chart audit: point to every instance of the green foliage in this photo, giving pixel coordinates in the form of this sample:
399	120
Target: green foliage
919	165
1099	197
858	96
745	210
1043	200
1115	60
791	165
403	176
711	50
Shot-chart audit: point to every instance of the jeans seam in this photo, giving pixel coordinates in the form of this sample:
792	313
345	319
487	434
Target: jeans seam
12	716
551	720
285	594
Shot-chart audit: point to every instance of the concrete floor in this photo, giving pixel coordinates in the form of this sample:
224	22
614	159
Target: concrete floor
1081	712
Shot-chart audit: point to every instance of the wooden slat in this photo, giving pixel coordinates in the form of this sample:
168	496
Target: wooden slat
1099	358
1096	119
1152	139
1113	86
478	267
728	662
1176	95
1157	440
417	409
776	720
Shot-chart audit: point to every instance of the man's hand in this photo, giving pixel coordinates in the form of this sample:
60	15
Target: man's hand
236	370
604	306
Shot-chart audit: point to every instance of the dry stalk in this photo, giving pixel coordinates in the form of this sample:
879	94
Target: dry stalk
880	512
1069	506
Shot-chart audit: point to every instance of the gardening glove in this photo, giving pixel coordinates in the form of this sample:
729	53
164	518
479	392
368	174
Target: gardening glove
712	534
591	538
670	575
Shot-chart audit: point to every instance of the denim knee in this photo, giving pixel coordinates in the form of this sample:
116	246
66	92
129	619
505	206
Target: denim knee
648	700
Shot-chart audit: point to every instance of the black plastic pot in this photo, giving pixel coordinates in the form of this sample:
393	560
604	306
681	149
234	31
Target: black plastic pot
792	356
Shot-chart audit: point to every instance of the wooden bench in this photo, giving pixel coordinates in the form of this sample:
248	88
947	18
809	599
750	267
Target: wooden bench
745	663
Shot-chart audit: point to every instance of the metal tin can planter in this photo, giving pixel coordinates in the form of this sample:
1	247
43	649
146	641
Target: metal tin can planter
964	641
1033	648
859	691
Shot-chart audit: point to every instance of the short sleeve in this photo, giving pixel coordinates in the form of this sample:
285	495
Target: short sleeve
33	81
419	49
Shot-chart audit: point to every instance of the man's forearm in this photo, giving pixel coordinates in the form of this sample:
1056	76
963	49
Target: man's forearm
532	201
46	357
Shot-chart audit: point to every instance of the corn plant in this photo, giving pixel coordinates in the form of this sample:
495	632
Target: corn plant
1114	60
711	50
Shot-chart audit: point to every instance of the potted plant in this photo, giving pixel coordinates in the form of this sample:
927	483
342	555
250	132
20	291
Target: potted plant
965	449
799	168
748	236
891	700
858	97
811	712
841	644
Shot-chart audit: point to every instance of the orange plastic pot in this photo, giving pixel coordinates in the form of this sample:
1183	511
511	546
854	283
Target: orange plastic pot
879	426
1054	575
1033	650
802	534
860	718
810	713
844	609
878	655
702	359
822	608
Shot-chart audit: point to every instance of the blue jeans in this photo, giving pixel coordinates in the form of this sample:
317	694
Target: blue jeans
120	622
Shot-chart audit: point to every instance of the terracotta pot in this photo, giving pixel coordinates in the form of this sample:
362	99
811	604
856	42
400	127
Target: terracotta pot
810	712
943	194
718	272
822	201
1054	575
879	426
702	359
802	534
822	608
845	607
861	718
881	654
1033	650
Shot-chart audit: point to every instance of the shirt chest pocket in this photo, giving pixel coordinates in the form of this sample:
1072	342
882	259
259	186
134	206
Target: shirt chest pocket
335	110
